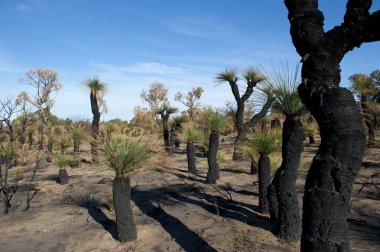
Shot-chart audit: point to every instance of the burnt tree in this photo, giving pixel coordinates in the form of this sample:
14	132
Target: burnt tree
329	181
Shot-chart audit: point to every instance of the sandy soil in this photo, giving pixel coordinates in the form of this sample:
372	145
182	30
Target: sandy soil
173	210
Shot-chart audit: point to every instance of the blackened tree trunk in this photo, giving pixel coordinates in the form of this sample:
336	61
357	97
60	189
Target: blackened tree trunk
30	136
311	139
264	181
94	126
49	152
282	194
165	126
63	177
126	226
213	166
329	181
191	157
253	166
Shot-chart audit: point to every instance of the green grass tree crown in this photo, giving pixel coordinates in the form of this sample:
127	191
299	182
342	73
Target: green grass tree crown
63	160
126	154
214	121
262	144
191	133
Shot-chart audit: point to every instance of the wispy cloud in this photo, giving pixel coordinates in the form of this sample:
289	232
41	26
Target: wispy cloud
204	27
23	8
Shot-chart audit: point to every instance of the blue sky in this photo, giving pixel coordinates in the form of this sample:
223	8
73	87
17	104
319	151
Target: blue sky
131	43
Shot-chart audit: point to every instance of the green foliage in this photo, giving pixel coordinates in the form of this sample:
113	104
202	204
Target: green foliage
78	134
214	121
166	109
192	134
309	131
96	86
253	76
263	144
220	157
126	154
63	160
229	74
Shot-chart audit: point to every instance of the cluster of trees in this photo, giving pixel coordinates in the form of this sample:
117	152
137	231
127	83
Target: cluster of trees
329	181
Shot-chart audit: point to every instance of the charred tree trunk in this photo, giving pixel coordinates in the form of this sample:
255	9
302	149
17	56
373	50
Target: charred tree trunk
63	177
254	169
329	181
213	166
282	194
94	126
264	181
30	136
126	226
165	127
311	139
191	158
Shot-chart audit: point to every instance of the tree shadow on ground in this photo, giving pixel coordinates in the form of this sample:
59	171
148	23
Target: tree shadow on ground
182	235
93	207
231	170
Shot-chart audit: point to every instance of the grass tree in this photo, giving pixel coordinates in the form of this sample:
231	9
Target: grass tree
191	134
63	160
282	193
97	89
252	78
214	122
263	144
78	134
124	155
330	179
176	129
165	111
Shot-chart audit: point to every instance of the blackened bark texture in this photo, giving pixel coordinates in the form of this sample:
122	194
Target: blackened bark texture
126	226
329	181
253	166
63	177
165	127
191	157
311	139
264	181
94	126
213	166
284	183
272	200
30	136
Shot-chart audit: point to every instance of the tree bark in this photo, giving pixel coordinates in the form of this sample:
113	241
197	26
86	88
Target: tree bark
213	166
126	226
30	136
191	157
254	169
94	126
282	194
334	168
264	181
63	177
165	127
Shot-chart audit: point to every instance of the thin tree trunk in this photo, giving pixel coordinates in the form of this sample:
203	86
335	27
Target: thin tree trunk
285	200
126	226
213	167
165	127
94	126
191	157
254	169
30	141
264	181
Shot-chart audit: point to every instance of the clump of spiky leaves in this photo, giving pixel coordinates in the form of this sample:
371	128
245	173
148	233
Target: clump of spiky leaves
253	75
284	82
214	121
229	74
309	131
63	160
126	154
96	86
263	144
78	134
191	133
166	109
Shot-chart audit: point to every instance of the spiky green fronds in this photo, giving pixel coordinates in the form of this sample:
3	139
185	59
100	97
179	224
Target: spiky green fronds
126	154
229	74
253	75
192	134
78	134
96	85
263	144
309	131
287	101
63	160
166	109
214	121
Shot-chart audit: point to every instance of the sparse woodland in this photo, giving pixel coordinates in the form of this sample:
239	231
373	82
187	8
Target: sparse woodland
293	163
